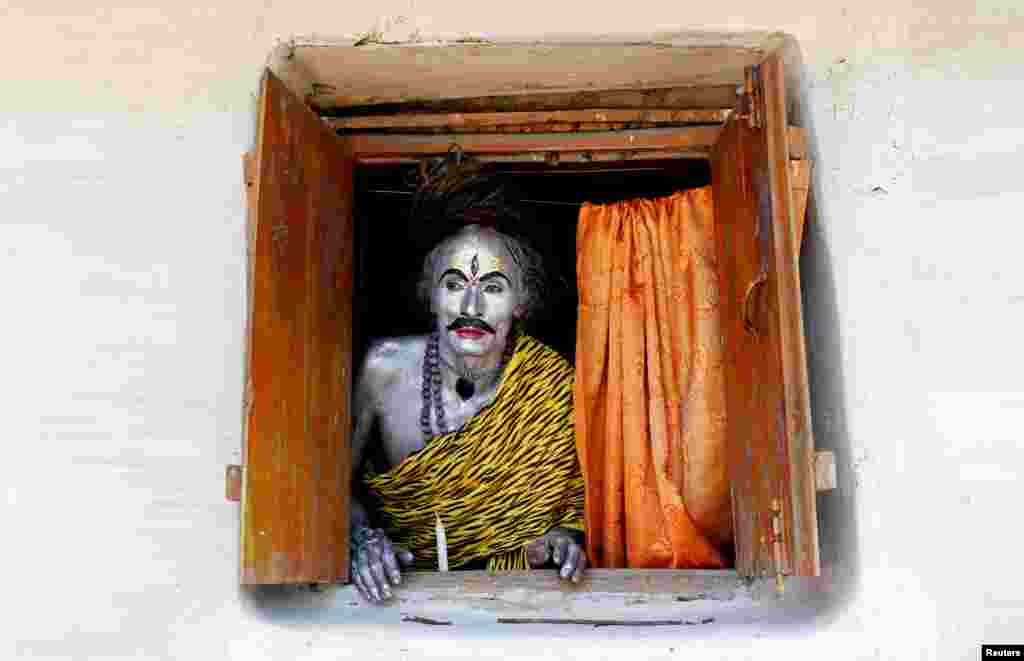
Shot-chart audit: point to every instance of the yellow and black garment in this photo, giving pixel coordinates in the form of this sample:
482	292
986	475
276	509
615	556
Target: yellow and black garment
505	478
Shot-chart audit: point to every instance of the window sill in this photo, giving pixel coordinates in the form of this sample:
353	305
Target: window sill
606	597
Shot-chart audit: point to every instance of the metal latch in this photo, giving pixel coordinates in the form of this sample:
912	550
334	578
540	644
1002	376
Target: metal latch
233	483
825	470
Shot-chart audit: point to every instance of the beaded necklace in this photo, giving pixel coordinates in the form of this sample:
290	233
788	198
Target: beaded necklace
431	384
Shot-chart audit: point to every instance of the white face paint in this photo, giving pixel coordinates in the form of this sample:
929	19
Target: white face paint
476	295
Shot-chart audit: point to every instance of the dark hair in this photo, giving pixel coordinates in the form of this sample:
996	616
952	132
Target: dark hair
455	193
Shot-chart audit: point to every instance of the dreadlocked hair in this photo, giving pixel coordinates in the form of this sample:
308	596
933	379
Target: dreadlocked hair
456	192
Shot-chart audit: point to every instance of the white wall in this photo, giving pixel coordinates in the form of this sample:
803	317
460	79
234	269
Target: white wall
121	254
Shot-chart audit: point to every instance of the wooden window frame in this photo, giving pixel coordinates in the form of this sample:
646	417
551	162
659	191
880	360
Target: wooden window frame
792	175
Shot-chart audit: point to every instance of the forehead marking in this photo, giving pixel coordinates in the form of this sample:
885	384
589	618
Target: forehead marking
467	257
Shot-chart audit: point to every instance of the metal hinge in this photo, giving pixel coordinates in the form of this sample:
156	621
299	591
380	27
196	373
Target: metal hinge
751	103
233	482
776	540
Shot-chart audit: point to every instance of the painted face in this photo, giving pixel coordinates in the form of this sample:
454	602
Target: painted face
475	296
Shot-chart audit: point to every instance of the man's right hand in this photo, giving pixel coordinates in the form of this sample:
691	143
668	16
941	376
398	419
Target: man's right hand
375	563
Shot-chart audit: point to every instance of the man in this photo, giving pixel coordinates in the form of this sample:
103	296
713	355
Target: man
476	426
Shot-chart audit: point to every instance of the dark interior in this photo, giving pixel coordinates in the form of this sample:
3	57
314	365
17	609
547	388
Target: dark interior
390	251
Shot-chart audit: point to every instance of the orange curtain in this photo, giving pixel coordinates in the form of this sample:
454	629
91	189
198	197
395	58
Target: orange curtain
649	393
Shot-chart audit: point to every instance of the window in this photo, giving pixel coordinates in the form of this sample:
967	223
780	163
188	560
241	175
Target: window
296	478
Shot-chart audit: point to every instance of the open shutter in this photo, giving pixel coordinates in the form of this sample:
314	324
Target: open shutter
771	450
296	476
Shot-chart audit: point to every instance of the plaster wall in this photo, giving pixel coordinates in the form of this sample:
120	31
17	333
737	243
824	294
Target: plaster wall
122	271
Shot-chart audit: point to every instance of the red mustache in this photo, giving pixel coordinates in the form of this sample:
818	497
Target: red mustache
469	322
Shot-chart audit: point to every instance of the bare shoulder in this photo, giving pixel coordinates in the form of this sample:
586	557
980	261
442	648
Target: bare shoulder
388	359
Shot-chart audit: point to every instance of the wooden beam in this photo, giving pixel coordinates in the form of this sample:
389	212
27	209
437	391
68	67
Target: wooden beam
555	158
328	102
348	75
689	138
801	531
679	585
489	120
580	146
550	127
629	594
250	166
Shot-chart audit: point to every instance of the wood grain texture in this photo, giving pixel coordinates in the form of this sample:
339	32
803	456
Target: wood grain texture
381	74
688	138
546	127
801	531
621	158
631	594
708	96
489	120
753	378
682	585
295	504
766	388
687	141
249	169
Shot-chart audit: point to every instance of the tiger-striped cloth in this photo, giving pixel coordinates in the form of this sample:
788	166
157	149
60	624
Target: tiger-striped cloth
505	478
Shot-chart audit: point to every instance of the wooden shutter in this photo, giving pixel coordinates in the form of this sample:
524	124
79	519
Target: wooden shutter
295	513
770	447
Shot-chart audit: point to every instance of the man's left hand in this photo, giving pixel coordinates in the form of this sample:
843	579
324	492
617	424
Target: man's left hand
563	546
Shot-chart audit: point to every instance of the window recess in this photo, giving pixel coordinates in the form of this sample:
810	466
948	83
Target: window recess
326	112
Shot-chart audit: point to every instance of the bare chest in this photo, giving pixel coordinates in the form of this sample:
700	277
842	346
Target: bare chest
400	409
